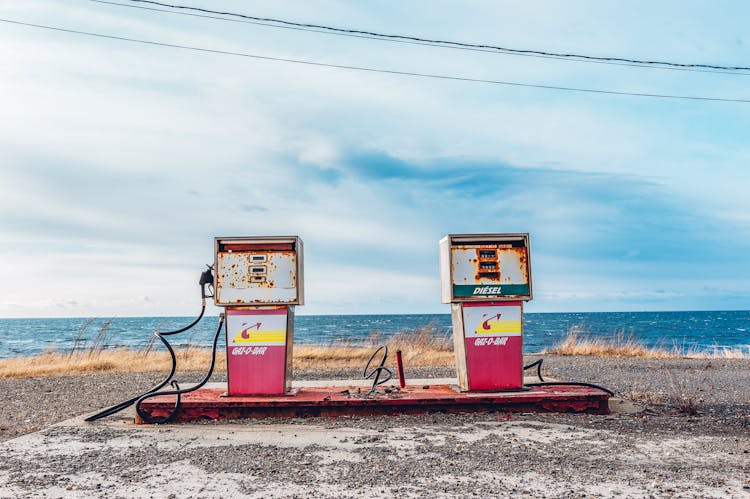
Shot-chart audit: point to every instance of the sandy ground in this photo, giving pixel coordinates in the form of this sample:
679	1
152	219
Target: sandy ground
681	428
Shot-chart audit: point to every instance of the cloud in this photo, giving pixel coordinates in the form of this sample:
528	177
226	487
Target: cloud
383	216
252	208
120	162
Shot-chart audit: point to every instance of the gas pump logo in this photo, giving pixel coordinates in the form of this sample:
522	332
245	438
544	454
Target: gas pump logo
494	324
486	324
254	333
245	333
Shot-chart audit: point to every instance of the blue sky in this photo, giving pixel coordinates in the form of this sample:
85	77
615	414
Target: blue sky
120	162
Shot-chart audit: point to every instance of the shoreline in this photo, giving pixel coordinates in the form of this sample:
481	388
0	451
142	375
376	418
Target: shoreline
679	333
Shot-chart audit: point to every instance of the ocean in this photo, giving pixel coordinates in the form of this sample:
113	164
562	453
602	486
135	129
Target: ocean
684	331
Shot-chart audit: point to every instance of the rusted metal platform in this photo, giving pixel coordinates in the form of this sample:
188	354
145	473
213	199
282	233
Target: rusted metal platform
208	403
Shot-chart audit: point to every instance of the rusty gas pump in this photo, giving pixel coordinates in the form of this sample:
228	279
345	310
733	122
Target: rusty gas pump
259	281
486	278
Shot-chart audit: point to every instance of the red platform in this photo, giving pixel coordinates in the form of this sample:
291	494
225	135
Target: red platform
210	403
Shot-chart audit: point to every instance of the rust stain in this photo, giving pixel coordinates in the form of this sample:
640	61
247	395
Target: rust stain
258	247
332	401
251	269
488	260
487	264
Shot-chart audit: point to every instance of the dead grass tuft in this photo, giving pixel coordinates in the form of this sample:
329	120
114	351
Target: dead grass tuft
646	397
419	347
105	361
683	397
579	342
677	395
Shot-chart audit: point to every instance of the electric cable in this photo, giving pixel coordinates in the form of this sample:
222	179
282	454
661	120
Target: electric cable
380	70
413	42
177	391
444	43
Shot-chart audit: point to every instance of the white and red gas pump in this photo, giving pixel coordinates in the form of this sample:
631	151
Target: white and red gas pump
486	278
259	280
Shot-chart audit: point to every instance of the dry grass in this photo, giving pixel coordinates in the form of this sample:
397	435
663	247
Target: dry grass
683	398
677	395
104	361
419	348
647	397
579	342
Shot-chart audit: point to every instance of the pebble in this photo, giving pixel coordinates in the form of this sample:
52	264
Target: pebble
439	455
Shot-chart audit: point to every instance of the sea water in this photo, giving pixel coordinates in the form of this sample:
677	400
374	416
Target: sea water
684	331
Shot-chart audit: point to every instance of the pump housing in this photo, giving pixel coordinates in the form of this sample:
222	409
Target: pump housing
258	270
481	267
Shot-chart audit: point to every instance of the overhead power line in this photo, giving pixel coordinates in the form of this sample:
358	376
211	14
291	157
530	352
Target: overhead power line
446	43
375	70
412	42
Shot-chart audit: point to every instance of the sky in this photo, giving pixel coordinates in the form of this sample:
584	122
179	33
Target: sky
120	162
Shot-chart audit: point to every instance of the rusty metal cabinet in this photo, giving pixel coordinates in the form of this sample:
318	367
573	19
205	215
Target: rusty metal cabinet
485	267
259	271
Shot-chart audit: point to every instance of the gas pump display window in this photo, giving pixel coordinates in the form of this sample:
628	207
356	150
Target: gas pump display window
258	271
485	266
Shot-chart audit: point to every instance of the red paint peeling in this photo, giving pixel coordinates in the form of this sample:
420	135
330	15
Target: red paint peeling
337	401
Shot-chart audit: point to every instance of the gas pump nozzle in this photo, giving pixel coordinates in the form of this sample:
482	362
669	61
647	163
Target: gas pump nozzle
207	278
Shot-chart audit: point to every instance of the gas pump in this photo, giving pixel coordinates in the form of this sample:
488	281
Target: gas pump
259	280
486	278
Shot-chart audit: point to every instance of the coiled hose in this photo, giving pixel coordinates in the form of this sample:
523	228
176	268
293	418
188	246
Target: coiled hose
377	371
206	279
177	391
538	364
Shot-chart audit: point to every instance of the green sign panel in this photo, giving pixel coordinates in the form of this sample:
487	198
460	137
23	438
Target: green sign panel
489	290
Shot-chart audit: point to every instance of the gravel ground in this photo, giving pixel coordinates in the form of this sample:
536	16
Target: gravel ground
689	437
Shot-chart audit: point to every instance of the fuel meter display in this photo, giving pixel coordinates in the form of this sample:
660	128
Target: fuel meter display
258	271
485	266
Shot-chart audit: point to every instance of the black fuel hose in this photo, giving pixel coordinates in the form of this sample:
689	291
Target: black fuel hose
127	403
148	419
377	371
538	364
206	279
160	335
574	383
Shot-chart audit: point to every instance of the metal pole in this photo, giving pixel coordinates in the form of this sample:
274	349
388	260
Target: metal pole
400	364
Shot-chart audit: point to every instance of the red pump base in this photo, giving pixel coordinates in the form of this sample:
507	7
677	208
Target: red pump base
208	403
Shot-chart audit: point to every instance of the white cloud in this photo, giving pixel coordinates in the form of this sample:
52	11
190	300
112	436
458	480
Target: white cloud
123	161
